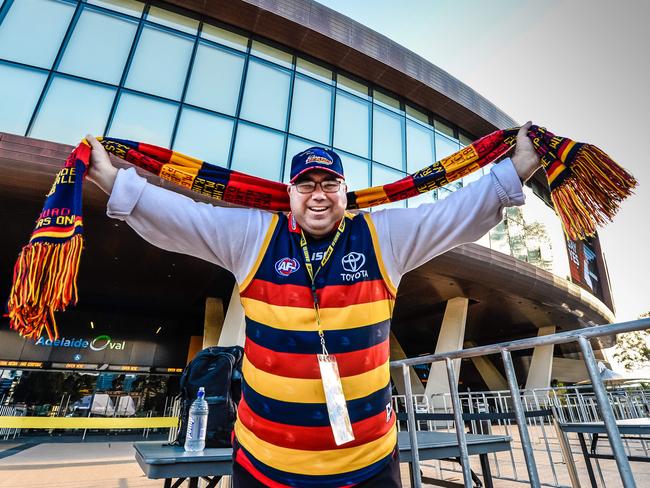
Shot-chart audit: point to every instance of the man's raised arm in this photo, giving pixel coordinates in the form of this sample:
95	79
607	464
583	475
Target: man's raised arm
228	237
411	237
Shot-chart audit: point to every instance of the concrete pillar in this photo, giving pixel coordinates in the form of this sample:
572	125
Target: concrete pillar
396	352
212	321
194	348
541	365
488	371
451	338
233	331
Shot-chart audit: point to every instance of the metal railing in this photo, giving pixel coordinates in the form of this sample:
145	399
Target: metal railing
7	432
581	336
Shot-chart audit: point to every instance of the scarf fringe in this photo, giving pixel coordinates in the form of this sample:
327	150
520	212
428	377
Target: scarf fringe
592	193
45	281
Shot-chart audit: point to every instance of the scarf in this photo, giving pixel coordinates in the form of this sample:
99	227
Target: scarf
586	186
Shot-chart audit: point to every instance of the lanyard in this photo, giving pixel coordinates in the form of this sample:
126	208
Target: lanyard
312	274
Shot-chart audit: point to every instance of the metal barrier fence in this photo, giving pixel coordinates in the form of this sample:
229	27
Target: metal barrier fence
597	406
6	410
567	404
173	410
113	417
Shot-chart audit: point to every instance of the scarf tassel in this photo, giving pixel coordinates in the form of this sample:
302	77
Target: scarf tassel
592	193
44	281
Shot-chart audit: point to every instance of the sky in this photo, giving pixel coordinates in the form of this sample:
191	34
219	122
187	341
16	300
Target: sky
578	67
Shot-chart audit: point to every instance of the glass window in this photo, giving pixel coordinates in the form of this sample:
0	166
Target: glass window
417	115
381	176
419	147
154	72
32	31
356	171
25	86
58	121
129	7
445	146
464	140
444	128
294	146
352	86
173	20
443	192
258	151
144	119
387	137
92	34
215	79
385	101
204	136
499	238
544	232
266	95
314	70
352	124
224	37
311	110
272	54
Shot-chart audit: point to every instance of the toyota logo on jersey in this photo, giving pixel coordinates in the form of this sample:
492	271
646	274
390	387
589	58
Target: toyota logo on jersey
286	266
352	263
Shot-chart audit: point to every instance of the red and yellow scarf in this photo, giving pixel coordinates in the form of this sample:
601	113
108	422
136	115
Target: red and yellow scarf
587	188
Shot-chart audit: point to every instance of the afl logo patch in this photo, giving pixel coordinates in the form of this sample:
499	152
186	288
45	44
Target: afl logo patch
286	266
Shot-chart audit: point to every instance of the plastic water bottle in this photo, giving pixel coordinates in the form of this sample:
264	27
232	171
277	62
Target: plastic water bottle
197	423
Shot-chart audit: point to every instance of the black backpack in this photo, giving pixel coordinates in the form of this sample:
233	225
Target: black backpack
218	370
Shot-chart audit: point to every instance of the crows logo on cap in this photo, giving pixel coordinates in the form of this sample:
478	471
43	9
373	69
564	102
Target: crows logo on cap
318	159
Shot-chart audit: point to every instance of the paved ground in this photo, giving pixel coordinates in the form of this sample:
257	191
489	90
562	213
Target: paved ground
39	462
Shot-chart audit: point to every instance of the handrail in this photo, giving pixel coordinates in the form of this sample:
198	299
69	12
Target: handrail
528	343
581	336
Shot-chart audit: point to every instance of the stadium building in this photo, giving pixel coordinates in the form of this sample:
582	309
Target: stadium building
247	84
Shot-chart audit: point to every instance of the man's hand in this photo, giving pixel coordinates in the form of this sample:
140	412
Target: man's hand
525	159
100	171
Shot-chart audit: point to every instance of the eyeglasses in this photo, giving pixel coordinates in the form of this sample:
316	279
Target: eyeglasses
328	186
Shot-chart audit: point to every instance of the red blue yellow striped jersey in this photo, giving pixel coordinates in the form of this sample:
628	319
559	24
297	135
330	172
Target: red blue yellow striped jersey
283	434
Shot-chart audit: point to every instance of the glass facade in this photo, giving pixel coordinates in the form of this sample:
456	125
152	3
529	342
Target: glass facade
137	71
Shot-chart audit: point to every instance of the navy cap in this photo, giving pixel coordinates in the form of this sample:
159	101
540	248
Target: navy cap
316	158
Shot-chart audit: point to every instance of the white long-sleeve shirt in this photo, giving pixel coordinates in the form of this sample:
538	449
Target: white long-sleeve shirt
232	237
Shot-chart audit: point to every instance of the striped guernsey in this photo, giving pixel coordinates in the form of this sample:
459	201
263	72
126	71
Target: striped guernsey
283	434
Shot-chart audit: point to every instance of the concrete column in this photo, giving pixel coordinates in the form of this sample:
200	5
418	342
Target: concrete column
451	338
541	365
194	348
396	352
488	371
233	331
212	321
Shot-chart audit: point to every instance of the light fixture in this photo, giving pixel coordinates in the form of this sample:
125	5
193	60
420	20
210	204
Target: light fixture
158	329
92	325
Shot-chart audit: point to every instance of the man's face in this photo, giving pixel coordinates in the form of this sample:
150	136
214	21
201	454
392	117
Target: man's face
318	212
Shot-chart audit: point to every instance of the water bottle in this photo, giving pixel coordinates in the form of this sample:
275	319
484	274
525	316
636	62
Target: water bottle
197	423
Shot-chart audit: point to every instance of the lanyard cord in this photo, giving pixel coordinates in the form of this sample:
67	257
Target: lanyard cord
312	274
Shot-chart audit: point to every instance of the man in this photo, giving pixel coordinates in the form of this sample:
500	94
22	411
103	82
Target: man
316	284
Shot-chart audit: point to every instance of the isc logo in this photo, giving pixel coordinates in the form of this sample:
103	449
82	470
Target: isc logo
286	266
